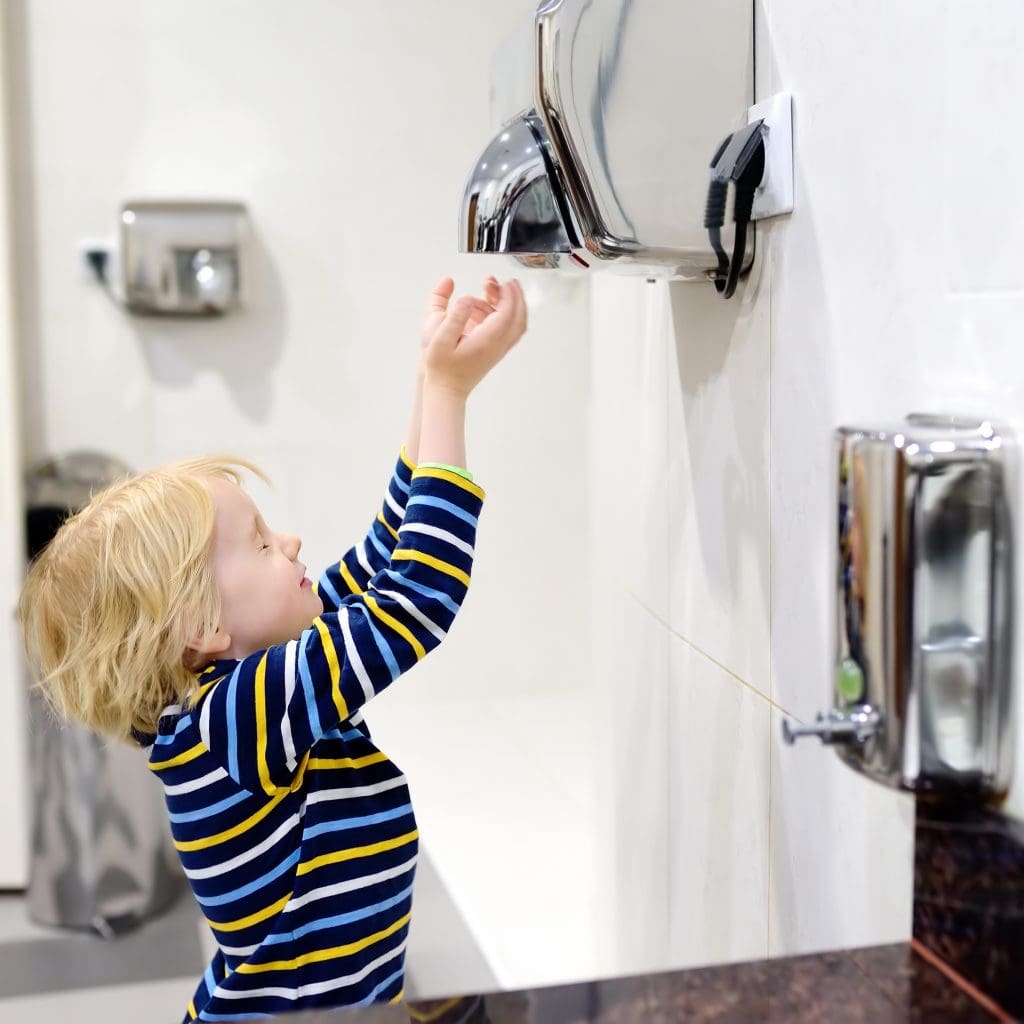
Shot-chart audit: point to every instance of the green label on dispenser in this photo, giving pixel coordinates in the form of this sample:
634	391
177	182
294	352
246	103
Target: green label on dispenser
849	681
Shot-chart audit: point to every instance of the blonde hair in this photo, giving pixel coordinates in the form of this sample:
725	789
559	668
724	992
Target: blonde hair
111	606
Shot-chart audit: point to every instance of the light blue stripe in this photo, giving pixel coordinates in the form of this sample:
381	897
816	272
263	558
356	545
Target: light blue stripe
234	1016
216	808
209	981
333	734
381	550
307	685
339	919
183	723
382	645
232	727
345	824
253	886
400	484
421	588
372	997
324	583
426	499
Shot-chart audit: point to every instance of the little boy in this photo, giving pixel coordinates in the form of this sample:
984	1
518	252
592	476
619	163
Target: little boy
167	610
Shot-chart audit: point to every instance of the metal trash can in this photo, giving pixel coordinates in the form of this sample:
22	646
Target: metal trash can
101	852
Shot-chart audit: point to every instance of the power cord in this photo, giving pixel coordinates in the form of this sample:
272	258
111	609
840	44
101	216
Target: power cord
740	160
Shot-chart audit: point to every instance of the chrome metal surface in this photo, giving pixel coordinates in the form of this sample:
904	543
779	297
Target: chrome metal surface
182	258
925	566
610	159
101	852
853	726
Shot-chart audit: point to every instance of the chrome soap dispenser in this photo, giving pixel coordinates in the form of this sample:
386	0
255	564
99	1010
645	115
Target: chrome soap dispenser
924	574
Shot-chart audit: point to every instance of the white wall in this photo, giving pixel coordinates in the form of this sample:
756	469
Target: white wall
13	800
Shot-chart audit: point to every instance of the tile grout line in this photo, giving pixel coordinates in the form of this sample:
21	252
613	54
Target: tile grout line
714	661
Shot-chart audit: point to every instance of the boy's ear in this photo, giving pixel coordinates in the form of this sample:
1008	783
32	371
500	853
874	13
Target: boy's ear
213	643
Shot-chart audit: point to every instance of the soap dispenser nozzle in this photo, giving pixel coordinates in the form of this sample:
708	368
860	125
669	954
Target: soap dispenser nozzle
855	725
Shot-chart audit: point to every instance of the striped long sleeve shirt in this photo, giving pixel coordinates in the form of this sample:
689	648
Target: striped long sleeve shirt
296	833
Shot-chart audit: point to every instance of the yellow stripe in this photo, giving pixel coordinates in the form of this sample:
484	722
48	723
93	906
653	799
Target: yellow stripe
245	922
346	762
236	830
350	582
435	1012
189	755
192	1009
261	727
320	955
389	620
399	997
387	526
332	663
206	687
356	852
404	456
436	563
452	478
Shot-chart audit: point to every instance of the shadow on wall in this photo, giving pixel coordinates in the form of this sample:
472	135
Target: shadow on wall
727	476
242	348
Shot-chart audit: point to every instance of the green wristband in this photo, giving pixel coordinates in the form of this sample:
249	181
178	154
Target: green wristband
464	473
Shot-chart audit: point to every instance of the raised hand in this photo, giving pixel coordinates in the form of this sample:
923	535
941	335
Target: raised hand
472	335
437	308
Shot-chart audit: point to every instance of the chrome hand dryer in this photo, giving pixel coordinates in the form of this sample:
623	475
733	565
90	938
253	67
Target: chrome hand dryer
607	115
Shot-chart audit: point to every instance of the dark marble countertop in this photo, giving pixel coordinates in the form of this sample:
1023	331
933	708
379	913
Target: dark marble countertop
877	985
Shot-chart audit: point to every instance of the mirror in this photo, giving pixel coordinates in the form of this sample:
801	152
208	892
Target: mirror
593	753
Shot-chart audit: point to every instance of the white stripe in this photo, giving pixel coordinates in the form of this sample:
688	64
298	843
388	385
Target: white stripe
422	619
351	885
290	656
436	531
228	865
190	787
394	506
204	722
171	709
315	988
351	791
239	951
362	559
352	653
356	718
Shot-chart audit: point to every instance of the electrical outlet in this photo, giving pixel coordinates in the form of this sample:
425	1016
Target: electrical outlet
774	196
87	246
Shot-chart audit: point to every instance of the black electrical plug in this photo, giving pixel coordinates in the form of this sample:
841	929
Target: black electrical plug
740	159
97	259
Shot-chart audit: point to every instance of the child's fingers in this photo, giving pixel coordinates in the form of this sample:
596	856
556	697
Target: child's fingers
439	297
453	324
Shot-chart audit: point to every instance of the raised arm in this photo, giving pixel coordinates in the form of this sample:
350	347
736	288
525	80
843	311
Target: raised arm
279	702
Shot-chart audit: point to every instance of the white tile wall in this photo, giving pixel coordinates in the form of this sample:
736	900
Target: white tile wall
719	443
718	813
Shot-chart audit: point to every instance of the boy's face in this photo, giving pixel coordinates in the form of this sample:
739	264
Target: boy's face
265	596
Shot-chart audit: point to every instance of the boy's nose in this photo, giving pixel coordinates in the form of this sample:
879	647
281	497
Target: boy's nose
292	545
